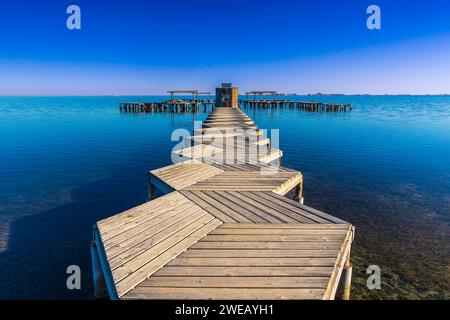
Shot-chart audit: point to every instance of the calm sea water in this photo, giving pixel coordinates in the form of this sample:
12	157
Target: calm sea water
67	162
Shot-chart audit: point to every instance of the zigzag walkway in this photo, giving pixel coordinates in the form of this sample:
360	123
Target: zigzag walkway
224	228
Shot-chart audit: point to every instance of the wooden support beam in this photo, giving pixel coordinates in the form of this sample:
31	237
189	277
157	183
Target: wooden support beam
151	188
347	280
345	283
299	192
100	290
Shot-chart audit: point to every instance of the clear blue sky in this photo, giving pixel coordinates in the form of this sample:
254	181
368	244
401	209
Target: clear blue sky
146	47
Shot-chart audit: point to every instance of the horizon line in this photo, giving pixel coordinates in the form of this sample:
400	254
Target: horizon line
164	95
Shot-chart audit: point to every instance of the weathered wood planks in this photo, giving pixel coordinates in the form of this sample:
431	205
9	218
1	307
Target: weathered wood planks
184	174
265	273
139	242
257	207
227	232
279	182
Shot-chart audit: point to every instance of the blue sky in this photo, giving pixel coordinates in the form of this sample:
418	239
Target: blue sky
147	47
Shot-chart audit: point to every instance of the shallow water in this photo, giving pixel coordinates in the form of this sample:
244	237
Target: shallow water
67	162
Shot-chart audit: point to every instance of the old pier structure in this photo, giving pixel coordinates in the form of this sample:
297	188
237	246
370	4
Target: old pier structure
260	100
226	226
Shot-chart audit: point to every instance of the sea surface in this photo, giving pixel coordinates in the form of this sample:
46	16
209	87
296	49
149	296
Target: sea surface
67	162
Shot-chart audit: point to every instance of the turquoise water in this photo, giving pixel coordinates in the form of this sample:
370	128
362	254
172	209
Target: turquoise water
67	162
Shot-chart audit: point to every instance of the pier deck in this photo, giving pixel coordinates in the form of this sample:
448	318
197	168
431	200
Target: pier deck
224	230
195	175
195	235
183	174
288	272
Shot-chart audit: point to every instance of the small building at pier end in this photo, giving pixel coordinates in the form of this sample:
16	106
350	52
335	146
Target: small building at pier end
227	96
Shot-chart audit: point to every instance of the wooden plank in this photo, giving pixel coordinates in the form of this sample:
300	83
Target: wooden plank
243	271
109	232
188	178
125	223
284	226
288	206
178	172
251	262
260	167
184	176
268	245
343	254
155	264
152	226
208	207
274	237
252	253
175	165
289	184
224	293
131	248
125	258
236	282
318	215
280	182
221	207
217	187
281	231
131	214
323	214
276	214
221	197
270	218
198	151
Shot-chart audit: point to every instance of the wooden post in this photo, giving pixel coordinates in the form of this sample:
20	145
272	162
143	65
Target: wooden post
299	192
347	279
100	291
151	189
345	282
278	162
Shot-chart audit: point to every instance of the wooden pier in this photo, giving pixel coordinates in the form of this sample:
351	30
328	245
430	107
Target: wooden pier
274	103
310	106
195	105
224	228
173	106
